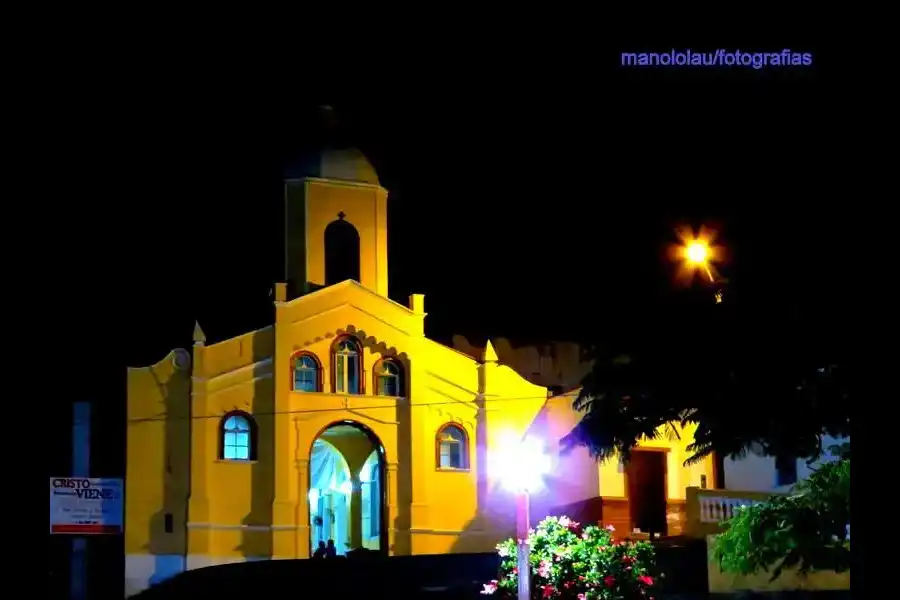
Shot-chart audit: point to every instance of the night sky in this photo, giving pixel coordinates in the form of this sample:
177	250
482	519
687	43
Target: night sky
514	218
529	211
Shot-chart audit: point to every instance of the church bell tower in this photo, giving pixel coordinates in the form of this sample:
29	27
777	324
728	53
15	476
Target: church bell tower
335	218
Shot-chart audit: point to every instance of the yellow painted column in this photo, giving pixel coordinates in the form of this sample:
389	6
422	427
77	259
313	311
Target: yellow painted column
390	475
285	504
421	453
356	537
302	530
198	538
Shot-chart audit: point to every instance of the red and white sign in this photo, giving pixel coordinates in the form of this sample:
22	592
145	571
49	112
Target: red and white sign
86	505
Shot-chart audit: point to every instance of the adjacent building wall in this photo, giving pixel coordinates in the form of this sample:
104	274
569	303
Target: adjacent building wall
758	474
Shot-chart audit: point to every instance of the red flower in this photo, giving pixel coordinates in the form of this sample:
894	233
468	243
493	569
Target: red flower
646	579
548	591
609	581
628	559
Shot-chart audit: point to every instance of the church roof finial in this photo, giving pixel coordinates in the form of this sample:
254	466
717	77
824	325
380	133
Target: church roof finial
490	355
199	336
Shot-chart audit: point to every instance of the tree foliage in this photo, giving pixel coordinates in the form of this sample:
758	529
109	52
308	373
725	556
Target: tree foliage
808	529
752	378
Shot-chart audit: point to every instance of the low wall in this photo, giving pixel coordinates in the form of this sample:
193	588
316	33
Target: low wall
789	580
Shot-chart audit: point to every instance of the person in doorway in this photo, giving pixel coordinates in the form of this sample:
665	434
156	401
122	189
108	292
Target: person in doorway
321	551
330	550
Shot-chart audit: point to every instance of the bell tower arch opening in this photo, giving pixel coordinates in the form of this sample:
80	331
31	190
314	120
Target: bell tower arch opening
341	251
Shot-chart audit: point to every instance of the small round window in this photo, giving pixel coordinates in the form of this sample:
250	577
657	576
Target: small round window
181	359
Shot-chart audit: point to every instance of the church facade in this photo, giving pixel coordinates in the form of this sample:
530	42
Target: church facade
342	424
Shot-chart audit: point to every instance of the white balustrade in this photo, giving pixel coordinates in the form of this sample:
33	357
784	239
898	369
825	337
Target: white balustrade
715	509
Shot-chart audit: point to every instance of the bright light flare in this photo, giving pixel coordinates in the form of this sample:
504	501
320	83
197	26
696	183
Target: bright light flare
521	464
696	252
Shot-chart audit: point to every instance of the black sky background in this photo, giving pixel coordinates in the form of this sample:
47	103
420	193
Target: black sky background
532	204
514	215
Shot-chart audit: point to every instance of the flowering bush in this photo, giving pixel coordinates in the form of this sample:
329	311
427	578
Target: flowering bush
571	562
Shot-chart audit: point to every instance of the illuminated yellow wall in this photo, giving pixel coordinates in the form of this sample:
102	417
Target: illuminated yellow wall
158	458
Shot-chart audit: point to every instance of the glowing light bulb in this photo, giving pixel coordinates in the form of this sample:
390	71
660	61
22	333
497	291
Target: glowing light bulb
521	465
697	252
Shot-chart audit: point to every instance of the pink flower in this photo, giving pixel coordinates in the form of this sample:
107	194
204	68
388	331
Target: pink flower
581	596
610	528
544	569
489	588
646	579
565	521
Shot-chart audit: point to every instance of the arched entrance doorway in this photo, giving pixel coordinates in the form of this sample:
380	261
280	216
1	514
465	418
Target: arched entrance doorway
346	489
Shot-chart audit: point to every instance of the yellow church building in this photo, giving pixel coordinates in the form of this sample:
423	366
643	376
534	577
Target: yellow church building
342	421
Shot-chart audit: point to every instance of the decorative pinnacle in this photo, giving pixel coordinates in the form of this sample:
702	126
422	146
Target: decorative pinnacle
199	336
490	355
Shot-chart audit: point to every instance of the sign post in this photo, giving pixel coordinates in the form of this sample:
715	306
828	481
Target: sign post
81	505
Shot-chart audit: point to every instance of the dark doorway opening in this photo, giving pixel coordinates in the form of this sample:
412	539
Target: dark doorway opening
646	480
341	252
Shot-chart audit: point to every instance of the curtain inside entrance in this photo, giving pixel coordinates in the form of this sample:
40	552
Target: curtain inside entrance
327	468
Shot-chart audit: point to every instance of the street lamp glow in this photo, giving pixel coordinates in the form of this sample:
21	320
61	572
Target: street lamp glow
697	253
521	465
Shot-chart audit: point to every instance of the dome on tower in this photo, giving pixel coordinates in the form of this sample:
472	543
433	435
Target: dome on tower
341	163
335	156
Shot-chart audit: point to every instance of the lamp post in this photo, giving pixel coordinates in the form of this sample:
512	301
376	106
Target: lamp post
522	467
698	253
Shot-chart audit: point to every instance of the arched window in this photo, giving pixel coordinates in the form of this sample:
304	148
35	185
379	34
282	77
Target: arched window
307	373
452	448
237	437
341	251
388	378
346	366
